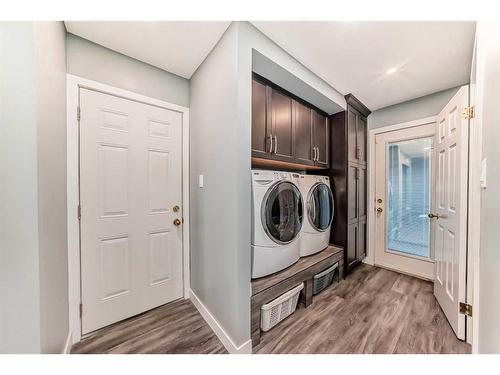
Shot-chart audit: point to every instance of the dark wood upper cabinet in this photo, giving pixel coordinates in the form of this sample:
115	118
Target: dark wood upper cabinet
303	140
321	139
348	175
260	132
281	126
286	129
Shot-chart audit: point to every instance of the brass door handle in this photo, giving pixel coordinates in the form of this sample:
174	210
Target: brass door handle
435	216
177	222
380	209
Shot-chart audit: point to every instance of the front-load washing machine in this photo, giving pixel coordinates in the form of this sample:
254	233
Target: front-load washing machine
318	203
277	215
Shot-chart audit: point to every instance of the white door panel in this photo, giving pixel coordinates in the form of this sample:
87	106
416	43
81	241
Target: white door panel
451	195
130	179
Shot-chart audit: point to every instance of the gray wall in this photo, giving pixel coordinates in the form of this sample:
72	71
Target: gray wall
92	61
220	219
425	106
50	75
19	275
33	251
488	84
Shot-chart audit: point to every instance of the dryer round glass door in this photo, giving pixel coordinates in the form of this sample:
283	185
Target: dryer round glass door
320	207
282	212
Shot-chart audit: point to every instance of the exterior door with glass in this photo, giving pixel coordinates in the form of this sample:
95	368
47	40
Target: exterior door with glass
404	197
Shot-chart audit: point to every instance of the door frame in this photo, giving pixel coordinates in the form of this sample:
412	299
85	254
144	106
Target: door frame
73	86
370	253
427	269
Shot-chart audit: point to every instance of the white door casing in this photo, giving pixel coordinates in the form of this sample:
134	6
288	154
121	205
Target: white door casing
451	206
130	180
405	263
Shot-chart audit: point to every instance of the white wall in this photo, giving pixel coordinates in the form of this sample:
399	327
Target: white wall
92	61
33	263
50	75
19	268
488	114
425	106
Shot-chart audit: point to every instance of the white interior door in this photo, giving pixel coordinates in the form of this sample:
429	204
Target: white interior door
404	174
451	209
130	182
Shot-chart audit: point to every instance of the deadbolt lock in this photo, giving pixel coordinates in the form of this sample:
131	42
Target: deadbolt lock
177	222
379	210
176	208
379	200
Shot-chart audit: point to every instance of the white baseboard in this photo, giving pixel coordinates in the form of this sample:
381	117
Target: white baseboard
245	348
68	344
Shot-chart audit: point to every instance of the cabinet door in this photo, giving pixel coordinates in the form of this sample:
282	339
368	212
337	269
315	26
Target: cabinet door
282	129
260	129
361	139
303	134
351	245
352	119
361	241
320	139
352	193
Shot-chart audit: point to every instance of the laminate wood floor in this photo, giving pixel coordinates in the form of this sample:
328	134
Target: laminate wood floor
175	328
372	311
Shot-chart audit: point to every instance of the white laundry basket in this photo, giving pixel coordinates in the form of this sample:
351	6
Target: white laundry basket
278	309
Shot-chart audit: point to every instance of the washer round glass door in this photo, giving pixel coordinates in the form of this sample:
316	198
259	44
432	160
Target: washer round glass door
282	212
320	207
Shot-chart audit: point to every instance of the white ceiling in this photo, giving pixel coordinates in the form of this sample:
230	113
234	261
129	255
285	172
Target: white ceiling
353	57
176	46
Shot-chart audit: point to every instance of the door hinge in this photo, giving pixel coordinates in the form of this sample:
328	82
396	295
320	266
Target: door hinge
469	113
465	309
79	212
81	309
78	113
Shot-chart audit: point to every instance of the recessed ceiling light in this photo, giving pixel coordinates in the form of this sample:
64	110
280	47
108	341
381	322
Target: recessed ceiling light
390	71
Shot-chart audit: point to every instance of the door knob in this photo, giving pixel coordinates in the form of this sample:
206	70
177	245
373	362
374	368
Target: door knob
379	210
435	216
177	222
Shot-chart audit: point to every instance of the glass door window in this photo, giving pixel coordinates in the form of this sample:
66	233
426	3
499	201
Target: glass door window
409	196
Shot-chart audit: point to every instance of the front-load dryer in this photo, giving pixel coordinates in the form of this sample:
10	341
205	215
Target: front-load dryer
318	203
277	216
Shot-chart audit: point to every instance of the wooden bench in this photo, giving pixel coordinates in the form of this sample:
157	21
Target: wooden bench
267	288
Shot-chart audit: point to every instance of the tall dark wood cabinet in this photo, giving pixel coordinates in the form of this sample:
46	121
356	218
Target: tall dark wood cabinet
348	178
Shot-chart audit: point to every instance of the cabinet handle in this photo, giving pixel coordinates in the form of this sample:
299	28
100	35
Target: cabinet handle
314	153
275	144
271	143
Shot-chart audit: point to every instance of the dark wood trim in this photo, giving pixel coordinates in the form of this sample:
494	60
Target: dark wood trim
282	165
355	103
